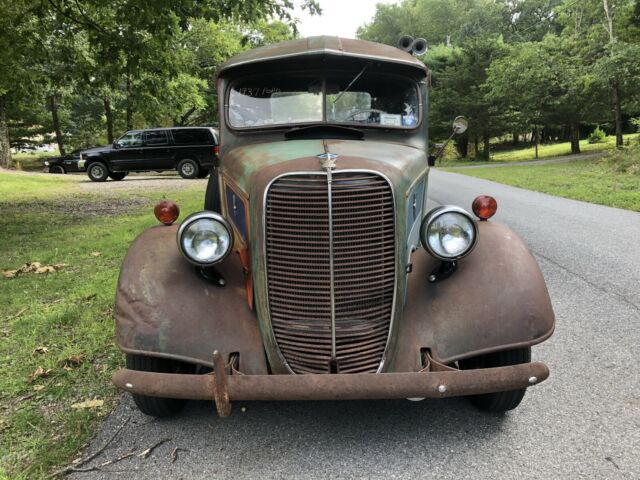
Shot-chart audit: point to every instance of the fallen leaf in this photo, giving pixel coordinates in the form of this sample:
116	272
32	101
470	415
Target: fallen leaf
45	269
9	273
73	360
41	350
95	403
37	388
96	254
40	372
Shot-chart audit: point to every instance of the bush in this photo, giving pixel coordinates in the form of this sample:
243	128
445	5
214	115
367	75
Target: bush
597	136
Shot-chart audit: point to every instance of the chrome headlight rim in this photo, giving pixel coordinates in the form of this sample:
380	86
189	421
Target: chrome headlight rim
432	216
204	215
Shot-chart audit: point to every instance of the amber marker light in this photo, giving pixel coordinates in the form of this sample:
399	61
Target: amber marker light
484	207
166	212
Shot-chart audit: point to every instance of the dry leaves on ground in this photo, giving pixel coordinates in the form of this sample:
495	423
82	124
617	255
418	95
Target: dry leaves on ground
34	267
95	403
39	373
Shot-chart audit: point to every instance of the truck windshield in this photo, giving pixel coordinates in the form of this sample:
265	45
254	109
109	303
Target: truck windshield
372	100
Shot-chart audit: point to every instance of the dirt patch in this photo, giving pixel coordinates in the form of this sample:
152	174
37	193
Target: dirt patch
78	206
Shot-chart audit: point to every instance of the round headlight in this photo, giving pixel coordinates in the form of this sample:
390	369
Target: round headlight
448	233
205	238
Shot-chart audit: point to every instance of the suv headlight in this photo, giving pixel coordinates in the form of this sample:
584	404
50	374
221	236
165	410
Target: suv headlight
448	233
205	238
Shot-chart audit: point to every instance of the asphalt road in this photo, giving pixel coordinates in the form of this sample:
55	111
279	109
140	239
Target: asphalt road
584	422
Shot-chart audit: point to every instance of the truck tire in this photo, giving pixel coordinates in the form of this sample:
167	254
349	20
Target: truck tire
188	168
158	406
97	171
57	169
499	401
118	175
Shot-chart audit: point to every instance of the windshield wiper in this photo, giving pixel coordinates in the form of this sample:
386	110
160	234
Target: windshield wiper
355	79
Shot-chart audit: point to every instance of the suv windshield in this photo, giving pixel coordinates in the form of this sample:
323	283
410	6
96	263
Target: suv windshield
372	99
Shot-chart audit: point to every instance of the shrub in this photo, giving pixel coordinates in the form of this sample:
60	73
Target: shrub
597	136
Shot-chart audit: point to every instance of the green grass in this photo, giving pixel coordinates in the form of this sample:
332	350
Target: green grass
613	180
527	153
68	312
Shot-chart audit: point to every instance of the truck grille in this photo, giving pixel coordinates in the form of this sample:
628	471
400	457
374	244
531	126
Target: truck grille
299	273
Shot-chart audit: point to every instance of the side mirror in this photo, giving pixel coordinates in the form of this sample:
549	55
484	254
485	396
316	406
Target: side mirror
460	125
115	145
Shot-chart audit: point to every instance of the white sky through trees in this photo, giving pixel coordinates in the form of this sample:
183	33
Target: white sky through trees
339	17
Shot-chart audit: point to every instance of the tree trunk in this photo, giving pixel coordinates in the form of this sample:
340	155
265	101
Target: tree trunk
486	154
575	138
129	103
516	139
536	136
108	113
5	141
53	104
476	145
617	108
462	145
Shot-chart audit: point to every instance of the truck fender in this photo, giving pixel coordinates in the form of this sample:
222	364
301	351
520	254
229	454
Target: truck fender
164	307
497	299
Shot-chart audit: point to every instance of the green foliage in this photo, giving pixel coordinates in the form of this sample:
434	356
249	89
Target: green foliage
597	136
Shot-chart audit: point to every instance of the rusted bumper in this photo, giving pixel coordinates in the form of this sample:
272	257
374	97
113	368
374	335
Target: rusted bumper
434	384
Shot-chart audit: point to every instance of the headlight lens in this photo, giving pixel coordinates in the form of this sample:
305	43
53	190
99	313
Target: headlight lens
449	233
205	238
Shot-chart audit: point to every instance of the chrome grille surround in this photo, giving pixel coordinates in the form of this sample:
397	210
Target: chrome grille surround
297	256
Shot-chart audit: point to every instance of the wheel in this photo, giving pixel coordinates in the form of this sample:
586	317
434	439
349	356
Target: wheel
56	169
158	406
498	401
118	175
203	173
188	168
98	172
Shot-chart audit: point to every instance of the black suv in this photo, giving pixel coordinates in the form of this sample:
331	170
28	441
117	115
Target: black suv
190	150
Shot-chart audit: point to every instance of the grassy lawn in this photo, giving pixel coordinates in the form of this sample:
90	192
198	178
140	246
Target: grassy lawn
544	151
56	329
613	181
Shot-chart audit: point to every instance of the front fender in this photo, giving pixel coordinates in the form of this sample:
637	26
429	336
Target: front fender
164	308
496	300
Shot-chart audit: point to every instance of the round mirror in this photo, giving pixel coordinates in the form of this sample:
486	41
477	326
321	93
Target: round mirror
460	125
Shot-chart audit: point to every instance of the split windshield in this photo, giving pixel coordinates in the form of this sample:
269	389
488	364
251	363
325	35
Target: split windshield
371	100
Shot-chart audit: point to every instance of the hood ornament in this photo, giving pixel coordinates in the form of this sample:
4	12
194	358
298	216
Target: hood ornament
327	160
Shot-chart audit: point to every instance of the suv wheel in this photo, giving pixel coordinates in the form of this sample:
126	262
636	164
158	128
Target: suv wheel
56	169
157	406
98	172
118	175
188	168
498	401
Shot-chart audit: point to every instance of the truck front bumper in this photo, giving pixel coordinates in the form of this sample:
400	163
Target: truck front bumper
224	388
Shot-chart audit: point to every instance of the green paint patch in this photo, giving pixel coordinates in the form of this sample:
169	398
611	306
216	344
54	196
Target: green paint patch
613	180
56	329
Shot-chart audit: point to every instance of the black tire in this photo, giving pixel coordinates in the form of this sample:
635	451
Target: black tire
117	176
158	406
499	401
188	168
97	171
58	169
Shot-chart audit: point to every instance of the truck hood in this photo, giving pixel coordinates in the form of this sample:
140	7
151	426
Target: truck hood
249	167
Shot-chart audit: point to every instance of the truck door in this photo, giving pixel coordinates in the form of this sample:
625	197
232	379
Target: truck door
128	156
157	151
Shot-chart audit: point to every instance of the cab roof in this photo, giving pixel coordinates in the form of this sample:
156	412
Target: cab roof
323	46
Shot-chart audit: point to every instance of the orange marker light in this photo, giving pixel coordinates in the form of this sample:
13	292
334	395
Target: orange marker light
166	212
484	207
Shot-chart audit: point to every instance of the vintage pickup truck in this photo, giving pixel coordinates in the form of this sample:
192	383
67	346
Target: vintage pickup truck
315	270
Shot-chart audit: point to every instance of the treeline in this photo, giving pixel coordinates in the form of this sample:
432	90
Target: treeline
535	70
86	70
